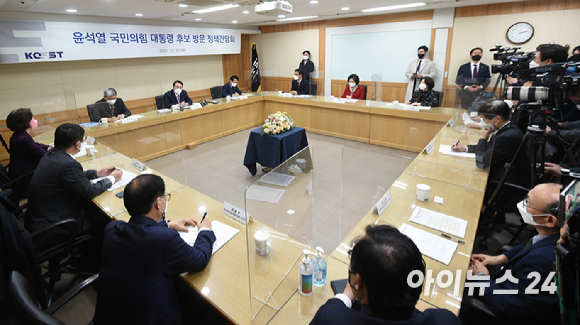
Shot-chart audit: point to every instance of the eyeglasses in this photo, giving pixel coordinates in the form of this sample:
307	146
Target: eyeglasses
526	205
168	195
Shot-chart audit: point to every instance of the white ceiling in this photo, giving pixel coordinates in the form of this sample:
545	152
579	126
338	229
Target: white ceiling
168	10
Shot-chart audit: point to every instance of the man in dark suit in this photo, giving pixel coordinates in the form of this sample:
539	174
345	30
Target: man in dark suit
299	84
60	187
306	65
117	109
231	88
537	255
378	273
177	96
495	152
142	258
472	78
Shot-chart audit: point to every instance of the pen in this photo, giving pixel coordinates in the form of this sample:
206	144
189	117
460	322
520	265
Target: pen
457	143
203	218
454	239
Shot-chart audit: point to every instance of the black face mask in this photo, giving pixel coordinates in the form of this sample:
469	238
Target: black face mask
420	56
476	57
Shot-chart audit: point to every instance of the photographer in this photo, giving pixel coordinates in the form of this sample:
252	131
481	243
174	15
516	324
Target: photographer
545	54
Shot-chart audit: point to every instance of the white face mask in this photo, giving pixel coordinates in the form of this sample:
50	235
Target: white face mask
305	57
528	217
533	64
177	91
295	77
111	101
351	84
422	86
578	106
234	85
486	125
165	210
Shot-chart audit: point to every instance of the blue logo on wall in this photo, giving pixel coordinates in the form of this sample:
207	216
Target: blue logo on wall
43	55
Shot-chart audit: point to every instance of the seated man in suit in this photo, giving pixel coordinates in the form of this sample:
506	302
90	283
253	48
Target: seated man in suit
177	96
537	255
499	141
380	263
472	78
117	109
60	188
299	85
231	88
142	258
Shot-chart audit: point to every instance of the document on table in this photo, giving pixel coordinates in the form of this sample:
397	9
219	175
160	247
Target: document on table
277	179
439	221
351	100
89	124
164	110
223	234
446	150
83	151
436	247
264	194
125	179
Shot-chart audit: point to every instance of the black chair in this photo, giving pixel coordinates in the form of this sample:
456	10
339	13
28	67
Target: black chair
91	110
495	214
365	96
26	306
159	102
476	312
216	92
4	144
440	98
7	183
313	88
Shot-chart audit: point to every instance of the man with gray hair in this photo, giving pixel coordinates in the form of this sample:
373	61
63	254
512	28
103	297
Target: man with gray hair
116	110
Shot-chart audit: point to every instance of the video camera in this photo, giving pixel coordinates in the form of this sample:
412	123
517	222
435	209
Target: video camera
511	59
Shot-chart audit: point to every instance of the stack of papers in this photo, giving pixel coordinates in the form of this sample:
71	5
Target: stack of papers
446	150
223	234
351	100
125	179
264	194
436	247
439	221
277	179
467	119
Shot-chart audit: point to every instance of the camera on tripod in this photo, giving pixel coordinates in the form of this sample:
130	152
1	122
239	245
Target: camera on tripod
511	59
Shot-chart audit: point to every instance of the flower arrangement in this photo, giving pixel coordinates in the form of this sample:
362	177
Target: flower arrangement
277	123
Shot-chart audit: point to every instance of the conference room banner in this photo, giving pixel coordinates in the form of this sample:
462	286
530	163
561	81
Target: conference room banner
30	41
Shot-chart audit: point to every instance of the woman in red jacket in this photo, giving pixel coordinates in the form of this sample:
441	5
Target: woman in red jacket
353	90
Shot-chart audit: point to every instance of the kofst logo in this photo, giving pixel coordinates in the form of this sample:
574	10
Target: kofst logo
43	55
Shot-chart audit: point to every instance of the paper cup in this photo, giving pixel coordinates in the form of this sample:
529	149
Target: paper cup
104	121
279	92
423	192
262	238
301	163
90	151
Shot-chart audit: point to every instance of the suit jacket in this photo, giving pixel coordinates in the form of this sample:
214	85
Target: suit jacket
541	308
359	93
170	99
141	260
427	69
120	108
334	312
307	68
303	89
498	151
24	156
465	75
229	91
58	190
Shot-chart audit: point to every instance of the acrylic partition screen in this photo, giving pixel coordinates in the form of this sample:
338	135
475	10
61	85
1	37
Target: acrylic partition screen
282	210
470	93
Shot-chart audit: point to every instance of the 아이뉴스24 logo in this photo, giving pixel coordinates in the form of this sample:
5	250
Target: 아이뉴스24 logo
43	55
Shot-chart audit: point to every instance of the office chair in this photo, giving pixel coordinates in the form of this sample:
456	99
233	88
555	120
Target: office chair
216	92
497	214
7	183
476	312
365	95
26	306
91	111
440	98
4	144
159	102
313	88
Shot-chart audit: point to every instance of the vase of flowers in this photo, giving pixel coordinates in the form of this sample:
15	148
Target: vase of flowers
277	123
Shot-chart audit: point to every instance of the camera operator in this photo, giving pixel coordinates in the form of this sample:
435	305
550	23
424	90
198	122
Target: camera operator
545	54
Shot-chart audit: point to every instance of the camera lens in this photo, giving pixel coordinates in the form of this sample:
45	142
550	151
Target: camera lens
527	93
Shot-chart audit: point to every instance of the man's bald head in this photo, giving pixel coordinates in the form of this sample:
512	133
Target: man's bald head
540	202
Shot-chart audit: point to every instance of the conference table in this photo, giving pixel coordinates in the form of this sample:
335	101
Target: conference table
250	289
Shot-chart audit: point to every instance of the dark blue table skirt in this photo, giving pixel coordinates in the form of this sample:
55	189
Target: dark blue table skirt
272	150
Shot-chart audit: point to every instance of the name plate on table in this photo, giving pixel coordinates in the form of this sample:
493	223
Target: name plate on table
429	148
234	212
383	203
451	122
243	97
90	140
195	105
287	95
137	165
129	119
